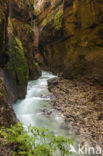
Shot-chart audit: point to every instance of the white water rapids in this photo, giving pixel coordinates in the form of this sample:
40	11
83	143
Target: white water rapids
36	109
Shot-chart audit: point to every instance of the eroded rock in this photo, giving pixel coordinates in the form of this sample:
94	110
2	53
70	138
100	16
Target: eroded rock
71	37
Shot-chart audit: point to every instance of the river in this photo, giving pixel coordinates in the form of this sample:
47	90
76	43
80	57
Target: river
36	109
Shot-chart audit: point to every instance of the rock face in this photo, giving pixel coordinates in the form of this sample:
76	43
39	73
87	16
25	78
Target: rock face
21	65
17	73
22	15
7	116
71	36
17	50
3	30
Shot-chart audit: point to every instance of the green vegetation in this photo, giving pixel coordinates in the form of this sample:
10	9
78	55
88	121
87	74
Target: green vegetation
17	64
58	19
45	22
36	65
34	141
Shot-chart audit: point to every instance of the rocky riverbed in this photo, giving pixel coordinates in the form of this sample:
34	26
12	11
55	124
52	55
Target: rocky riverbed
82	107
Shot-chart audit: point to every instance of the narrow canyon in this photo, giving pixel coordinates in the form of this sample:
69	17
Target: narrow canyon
60	40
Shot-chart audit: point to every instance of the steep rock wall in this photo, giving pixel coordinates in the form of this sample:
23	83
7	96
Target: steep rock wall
21	65
71	36
17	63
22	15
7	116
4	8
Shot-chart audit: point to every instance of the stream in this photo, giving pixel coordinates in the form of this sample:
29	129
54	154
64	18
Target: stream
36	109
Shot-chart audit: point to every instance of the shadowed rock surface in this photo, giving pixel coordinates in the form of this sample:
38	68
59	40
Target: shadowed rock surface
71	37
17	63
7	115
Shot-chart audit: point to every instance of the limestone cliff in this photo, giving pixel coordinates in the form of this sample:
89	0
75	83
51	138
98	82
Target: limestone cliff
21	65
71	36
22	16
17	63
7	115
4	8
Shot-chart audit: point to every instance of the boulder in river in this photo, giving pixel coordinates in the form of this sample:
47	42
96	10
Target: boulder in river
52	82
46	111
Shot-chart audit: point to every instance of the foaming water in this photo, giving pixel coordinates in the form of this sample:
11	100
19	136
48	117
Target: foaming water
36	109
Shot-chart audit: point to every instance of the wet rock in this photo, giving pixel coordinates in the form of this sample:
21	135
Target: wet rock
58	108
77	132
52	82
54	103
64	127
49	112
46	111
67	120
51	97
45	96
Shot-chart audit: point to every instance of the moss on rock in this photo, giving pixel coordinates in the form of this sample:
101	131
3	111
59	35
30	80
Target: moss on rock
74	29
21	66
25	33
17	62
58	19
17	68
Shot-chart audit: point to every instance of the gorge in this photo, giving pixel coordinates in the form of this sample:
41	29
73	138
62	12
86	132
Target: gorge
64	37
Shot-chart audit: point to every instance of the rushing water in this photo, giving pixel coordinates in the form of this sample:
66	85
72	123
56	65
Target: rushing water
36	109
